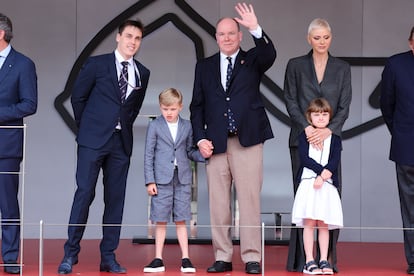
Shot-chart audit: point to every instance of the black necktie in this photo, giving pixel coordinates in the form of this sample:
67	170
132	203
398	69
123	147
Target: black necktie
123	80
231	126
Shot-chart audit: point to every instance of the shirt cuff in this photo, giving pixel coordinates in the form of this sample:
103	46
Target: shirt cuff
258	33
198	143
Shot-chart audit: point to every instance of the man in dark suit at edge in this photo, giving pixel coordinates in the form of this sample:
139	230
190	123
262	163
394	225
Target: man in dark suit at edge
230	126
18	99
106	99
397	107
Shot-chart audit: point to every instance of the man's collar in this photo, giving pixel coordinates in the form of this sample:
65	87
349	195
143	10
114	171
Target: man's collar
233	56
5	52
120	58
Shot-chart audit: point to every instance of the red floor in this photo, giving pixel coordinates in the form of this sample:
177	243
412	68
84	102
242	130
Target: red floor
354	259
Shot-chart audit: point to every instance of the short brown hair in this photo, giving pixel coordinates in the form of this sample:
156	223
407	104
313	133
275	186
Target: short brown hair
134	23
411	34
318	105
170	96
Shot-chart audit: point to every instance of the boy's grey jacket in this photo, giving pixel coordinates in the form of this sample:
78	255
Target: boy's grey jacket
161	150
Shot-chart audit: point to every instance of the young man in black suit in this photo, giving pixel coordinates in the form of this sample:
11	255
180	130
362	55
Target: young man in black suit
106	100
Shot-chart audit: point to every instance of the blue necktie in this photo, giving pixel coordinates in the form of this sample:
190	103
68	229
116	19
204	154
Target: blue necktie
123	80
231	127
229	72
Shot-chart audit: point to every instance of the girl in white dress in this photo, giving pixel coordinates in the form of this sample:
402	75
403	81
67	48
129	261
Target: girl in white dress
317	204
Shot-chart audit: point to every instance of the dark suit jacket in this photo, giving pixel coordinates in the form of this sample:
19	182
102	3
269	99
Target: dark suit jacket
397	106
301	86
308	162
210	101
18	99
97	104
161	150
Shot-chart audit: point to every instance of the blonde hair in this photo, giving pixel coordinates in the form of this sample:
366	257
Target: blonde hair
318	105
170	96
319	23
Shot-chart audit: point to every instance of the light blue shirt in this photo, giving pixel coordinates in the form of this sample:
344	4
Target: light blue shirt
3	54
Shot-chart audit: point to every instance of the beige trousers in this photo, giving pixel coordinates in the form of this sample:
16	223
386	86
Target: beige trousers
242	166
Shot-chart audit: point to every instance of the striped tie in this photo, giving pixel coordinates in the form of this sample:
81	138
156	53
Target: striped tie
123	80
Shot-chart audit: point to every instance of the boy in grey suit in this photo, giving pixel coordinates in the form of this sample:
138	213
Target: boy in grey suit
168	175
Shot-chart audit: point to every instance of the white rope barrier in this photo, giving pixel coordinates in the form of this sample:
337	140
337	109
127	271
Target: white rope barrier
212	226
42	226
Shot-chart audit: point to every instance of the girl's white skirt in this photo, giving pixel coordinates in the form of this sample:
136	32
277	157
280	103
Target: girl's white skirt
318	204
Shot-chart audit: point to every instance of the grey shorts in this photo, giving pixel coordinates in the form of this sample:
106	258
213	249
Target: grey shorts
173	200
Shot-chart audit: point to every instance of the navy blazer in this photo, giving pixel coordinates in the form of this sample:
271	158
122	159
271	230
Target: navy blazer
161	150
301	87
333	161
210	102
397	106
97	106
18	99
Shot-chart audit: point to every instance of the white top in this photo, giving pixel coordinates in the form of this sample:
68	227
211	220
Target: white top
173	130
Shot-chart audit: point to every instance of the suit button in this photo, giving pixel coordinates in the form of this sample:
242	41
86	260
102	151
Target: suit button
227	99
225	114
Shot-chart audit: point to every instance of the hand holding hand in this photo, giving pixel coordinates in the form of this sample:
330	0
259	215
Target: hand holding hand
248	17
206	148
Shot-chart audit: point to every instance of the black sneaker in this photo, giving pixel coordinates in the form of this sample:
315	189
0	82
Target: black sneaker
155	266
187	266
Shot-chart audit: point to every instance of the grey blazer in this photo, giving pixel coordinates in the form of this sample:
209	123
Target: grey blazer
161	150
301	86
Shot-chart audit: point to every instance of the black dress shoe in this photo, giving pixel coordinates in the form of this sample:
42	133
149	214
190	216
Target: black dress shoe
11	268
410	269
65	266
253	268
113	267
220	266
